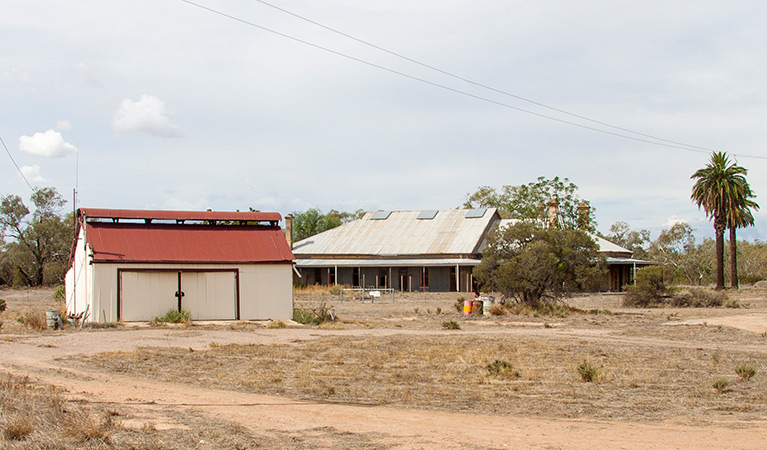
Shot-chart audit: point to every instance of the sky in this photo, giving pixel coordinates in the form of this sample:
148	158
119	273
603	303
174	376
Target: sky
172	104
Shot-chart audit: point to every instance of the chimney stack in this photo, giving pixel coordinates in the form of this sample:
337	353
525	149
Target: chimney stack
584	209
289	230
553	206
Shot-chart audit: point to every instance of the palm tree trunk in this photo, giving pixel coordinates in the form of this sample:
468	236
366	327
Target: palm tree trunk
719	230
733	259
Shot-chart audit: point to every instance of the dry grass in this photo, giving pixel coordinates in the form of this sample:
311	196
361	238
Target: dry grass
449	372
40	417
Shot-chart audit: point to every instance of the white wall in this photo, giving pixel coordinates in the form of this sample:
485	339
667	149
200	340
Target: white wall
78	292
266	290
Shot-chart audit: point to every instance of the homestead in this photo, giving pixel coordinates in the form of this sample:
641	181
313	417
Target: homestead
428	250
134	265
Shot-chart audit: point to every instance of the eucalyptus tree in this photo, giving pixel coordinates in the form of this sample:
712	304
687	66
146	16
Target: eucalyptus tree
720	188
739	217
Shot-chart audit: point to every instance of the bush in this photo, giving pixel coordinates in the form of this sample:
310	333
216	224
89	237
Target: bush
335	290
35	320
588	371
649	291
315	316
451	325
745	371
720	384
276	324
3	305
175	316
59	293
459	304
699	298
502	368
496	309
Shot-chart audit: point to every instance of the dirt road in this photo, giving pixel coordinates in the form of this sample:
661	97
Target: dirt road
46	358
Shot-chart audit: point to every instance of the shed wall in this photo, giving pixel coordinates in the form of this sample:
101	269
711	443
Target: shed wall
265	289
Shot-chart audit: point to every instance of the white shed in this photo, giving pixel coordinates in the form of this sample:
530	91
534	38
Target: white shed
129	265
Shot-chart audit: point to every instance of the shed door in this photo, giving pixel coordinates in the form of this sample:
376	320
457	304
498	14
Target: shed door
209	295
146	295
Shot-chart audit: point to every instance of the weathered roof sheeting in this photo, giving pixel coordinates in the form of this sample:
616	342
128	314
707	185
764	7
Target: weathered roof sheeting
168	243
132	214
402	233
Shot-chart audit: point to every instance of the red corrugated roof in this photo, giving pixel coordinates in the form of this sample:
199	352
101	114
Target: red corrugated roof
203	244
99	213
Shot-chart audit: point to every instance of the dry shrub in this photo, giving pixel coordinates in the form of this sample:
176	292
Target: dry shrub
315	316
745	371
81	427
649	289
588	371
502	369
539	309
720	384
699	298
34	319
497	309
3	305
276	324
18	428
451	325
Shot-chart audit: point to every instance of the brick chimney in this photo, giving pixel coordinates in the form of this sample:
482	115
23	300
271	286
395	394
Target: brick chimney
553	208
583	215
289	230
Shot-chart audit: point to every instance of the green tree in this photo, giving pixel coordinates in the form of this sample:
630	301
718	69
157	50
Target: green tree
529	201
739	217
313	221
530	264
38	242
719	188
683	258
752	261
636	241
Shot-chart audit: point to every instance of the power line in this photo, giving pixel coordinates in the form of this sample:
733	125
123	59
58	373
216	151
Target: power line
646	138
478	84
17	166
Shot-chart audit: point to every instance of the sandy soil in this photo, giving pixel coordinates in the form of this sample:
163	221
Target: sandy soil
45	357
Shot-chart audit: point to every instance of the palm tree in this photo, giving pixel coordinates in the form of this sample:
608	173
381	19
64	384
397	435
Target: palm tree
739	217
720	188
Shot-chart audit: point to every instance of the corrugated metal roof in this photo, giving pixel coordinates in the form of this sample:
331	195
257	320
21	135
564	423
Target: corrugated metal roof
135	214
169	243
416	262
402	234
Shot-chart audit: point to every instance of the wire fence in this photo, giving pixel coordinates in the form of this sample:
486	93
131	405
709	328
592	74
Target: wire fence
363	294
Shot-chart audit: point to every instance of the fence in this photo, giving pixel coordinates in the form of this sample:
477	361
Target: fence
363	294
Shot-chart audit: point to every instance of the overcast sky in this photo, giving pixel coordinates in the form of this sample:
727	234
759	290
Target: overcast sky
171	106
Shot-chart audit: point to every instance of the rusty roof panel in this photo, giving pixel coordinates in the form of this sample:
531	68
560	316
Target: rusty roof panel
134	214
168	243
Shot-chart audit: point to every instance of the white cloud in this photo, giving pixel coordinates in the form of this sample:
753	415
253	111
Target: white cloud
148	115
15	76
63	125
673	220
87	76
32	174
49	144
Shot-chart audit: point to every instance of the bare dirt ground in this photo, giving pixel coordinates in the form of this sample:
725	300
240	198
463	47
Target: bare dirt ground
373	379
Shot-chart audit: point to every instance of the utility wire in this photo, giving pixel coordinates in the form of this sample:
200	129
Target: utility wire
478	84
649	139
17	166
